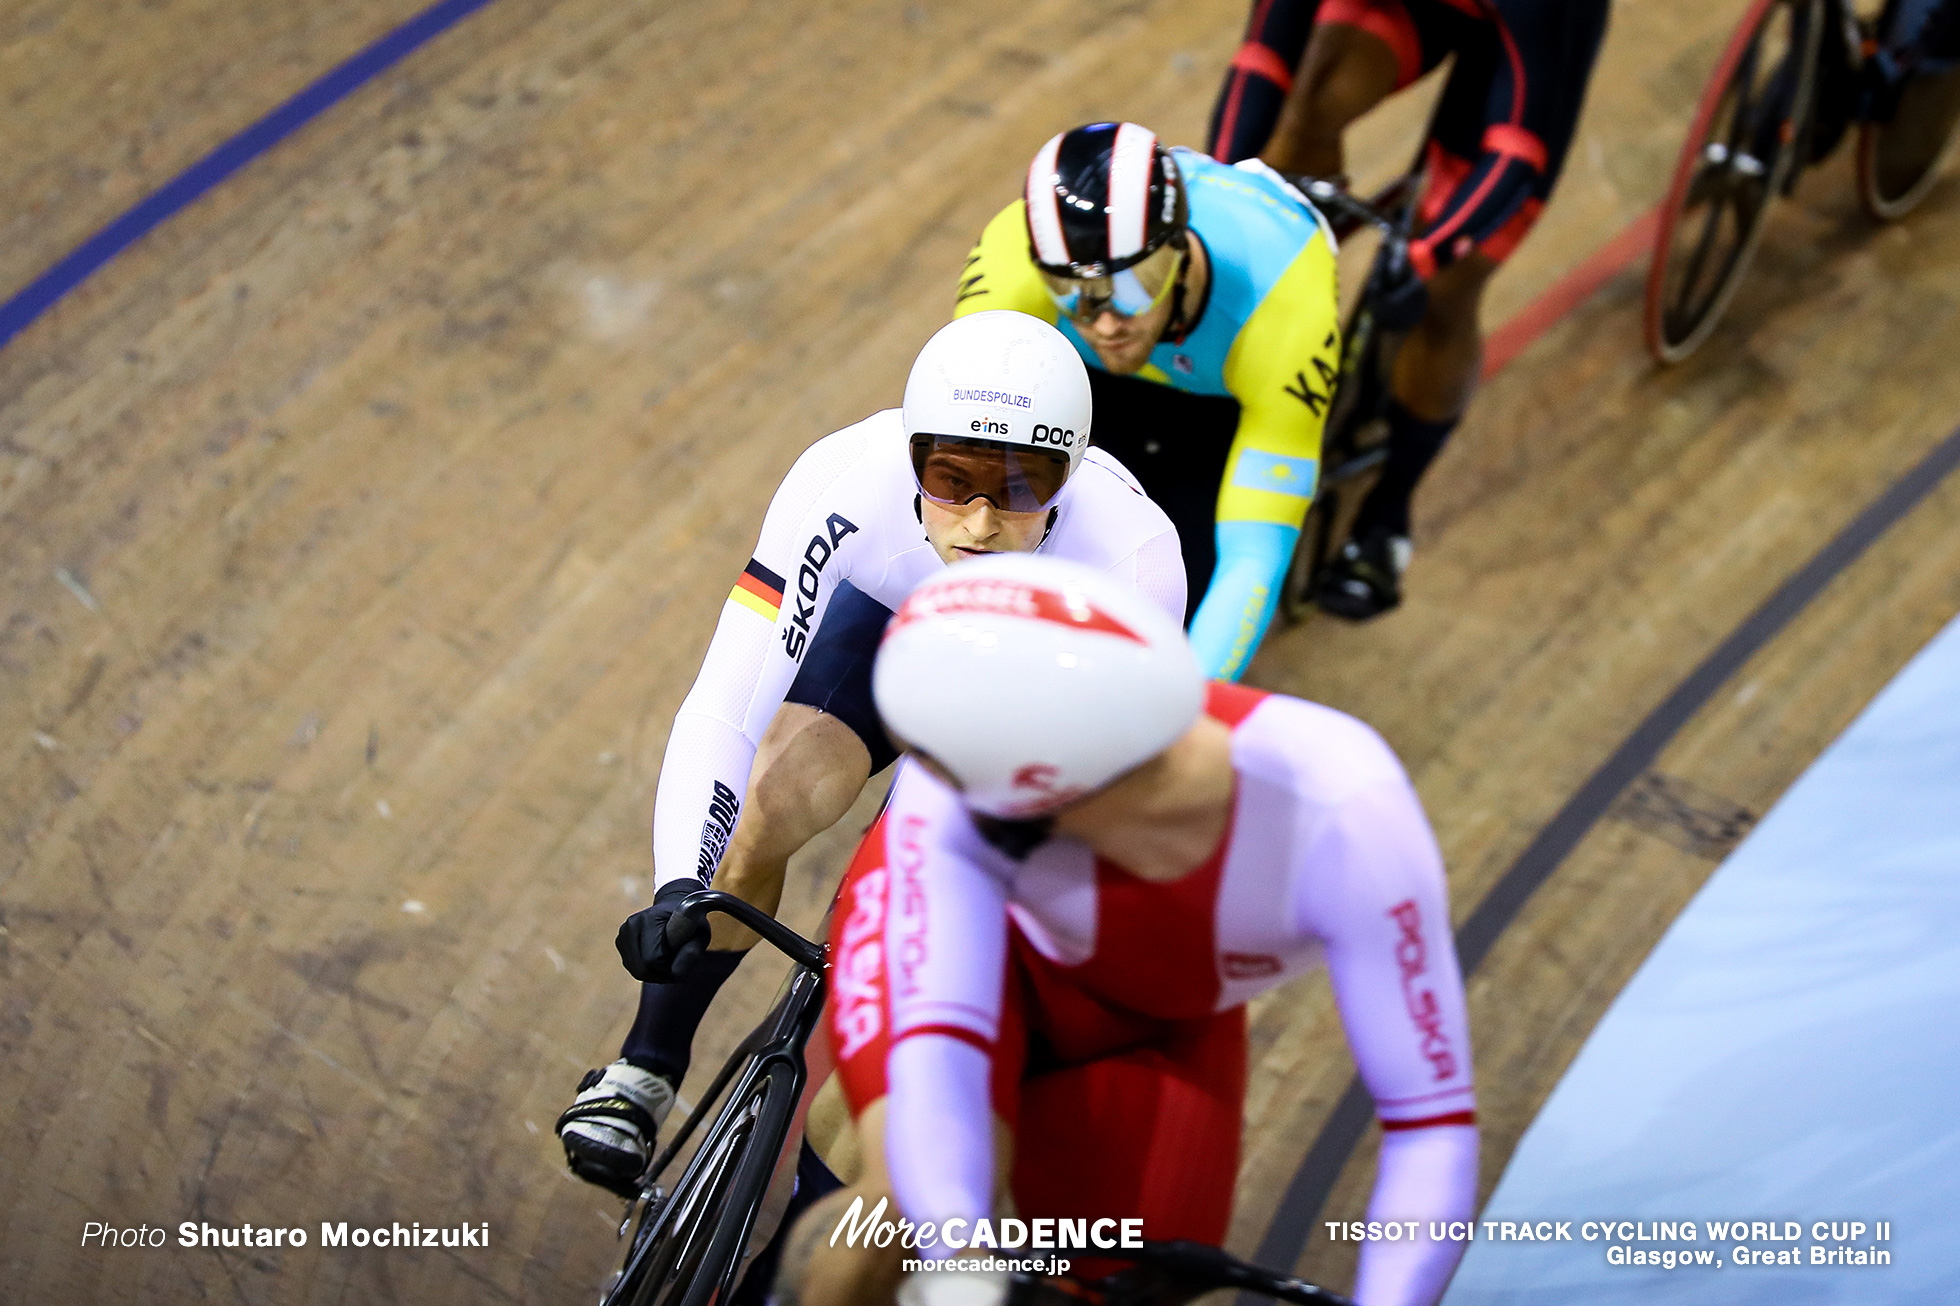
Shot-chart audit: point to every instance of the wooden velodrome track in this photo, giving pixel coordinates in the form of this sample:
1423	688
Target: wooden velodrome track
364	525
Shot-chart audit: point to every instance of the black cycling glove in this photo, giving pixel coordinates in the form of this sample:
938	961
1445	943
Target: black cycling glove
644	948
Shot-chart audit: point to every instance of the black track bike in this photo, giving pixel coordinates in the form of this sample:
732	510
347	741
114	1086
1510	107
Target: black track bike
690	1235
1354	442
1796	77
1164	1274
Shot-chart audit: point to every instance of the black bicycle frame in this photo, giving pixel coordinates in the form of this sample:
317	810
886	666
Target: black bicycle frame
780	1038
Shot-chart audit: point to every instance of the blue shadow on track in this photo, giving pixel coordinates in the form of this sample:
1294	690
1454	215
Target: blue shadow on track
1787	1053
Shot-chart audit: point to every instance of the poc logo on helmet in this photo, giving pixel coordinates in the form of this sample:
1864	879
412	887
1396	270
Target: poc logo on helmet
1053	435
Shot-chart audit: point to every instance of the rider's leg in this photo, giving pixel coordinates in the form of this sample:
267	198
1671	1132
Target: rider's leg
816	1271
1435	375
1357	56
809	769
1260	75
822	745
810	765
1151	1132
1436	371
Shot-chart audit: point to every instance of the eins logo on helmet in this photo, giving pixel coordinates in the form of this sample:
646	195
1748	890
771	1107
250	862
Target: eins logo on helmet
1010	598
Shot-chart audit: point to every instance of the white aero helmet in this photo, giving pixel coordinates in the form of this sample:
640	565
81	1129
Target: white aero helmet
1032	681
997	407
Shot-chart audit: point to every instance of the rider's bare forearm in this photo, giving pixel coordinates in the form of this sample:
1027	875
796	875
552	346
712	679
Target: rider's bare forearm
809	769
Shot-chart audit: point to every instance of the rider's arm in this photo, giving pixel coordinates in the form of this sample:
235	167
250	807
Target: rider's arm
1281	369
1156	570
1000	273
946	941
1372	890
751	661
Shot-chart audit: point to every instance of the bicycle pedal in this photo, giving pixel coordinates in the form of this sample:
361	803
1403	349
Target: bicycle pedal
647	1199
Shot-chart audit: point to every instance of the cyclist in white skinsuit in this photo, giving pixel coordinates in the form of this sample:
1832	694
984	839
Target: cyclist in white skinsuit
1063	964
845	514
988	454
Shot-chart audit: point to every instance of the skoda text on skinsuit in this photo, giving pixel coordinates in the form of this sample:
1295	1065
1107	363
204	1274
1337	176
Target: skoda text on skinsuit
809	582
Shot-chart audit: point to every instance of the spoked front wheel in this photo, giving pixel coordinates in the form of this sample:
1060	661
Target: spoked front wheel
688	1246
1738	157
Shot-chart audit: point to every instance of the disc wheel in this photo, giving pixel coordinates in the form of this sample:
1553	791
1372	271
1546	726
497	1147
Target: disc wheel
1738	157
689	1245
1899	159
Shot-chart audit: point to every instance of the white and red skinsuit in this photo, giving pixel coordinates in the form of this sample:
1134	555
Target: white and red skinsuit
1101	1017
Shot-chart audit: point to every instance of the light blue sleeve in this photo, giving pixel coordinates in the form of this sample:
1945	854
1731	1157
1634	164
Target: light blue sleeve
1252	560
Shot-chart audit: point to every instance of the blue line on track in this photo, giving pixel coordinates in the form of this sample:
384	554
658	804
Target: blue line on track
184	189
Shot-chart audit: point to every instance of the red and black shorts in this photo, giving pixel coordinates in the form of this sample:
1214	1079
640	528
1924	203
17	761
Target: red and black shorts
1114	1114
1500	132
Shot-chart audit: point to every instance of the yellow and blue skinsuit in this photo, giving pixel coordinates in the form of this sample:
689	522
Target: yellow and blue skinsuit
1268	336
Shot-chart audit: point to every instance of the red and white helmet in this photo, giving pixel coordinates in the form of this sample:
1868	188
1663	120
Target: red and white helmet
1032	681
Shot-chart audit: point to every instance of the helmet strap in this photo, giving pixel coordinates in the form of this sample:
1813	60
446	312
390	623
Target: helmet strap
1049	529
919	508
1177	328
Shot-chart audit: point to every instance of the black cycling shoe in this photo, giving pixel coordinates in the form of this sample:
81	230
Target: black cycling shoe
608	1130
1365	578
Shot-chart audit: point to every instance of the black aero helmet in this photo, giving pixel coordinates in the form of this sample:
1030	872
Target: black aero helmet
1101	198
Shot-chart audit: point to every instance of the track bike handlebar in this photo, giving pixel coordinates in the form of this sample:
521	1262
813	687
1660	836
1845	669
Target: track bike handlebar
1390	211
1334	200
693	916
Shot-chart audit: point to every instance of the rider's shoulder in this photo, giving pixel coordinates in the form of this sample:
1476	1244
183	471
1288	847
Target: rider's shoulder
1246	212
1004	238
1321	753
1011	218
1107	466
859	461
1108	511
880	435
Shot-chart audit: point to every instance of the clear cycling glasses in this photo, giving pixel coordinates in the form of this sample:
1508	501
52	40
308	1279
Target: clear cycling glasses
1136	289
954	471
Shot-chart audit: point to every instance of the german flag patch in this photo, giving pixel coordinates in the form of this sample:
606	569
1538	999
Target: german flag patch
760	590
